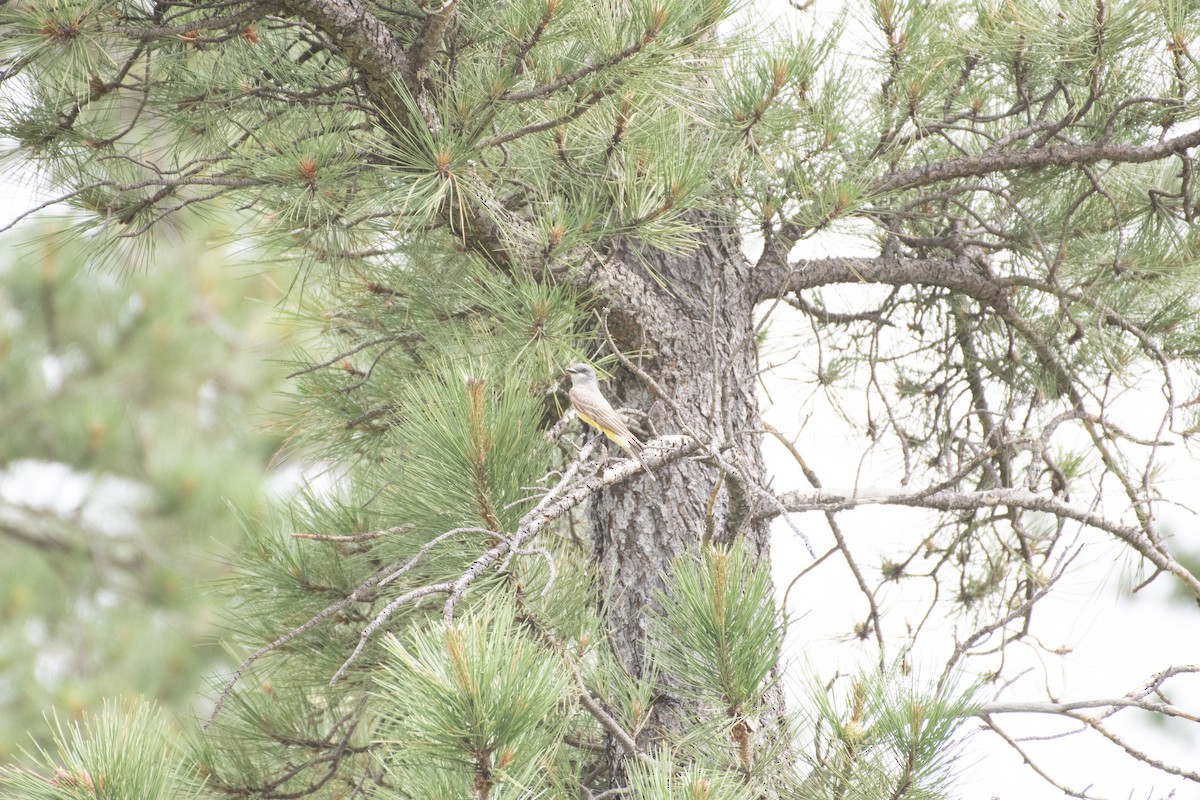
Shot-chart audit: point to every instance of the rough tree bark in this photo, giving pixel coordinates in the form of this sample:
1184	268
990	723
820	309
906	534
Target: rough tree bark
701	353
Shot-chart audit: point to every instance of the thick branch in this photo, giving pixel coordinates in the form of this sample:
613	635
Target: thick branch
775	278
1064	156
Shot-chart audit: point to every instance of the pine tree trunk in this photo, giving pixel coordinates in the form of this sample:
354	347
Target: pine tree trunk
640	526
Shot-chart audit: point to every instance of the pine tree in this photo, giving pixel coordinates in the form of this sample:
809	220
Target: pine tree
132	407
480	194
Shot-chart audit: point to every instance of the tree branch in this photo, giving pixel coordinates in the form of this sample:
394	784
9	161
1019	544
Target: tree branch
559	500
427	43
774	277
367	44
1018	707
1064	156
949	500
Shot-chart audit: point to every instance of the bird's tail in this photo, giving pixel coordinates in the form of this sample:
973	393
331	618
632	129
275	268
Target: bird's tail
636	449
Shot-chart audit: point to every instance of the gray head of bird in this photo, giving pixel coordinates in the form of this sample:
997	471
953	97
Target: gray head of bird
582	375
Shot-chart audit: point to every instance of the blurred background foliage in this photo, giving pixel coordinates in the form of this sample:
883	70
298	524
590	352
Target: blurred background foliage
135	409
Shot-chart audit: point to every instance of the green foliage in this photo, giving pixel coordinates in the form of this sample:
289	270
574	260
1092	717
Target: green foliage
438	426
131	406
783	117
663	780
472	703
325	177
885	737
469	448
271	725
719	632
437	314
125	750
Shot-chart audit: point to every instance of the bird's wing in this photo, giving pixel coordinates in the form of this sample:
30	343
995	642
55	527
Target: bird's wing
592	404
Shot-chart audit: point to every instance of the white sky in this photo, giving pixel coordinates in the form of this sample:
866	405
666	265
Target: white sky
1112	641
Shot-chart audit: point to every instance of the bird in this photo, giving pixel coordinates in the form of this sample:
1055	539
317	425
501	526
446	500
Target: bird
595	410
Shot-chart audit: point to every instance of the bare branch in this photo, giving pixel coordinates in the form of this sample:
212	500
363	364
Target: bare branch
1027	707
774	277
666	449
949	500
356	537
427	43
831	519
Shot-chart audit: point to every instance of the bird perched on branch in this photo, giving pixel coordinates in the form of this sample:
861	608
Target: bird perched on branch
595	410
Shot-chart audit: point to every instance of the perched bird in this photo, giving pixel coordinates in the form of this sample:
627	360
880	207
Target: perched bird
595	410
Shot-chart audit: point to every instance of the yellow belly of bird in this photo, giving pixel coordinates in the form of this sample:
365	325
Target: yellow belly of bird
620	440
